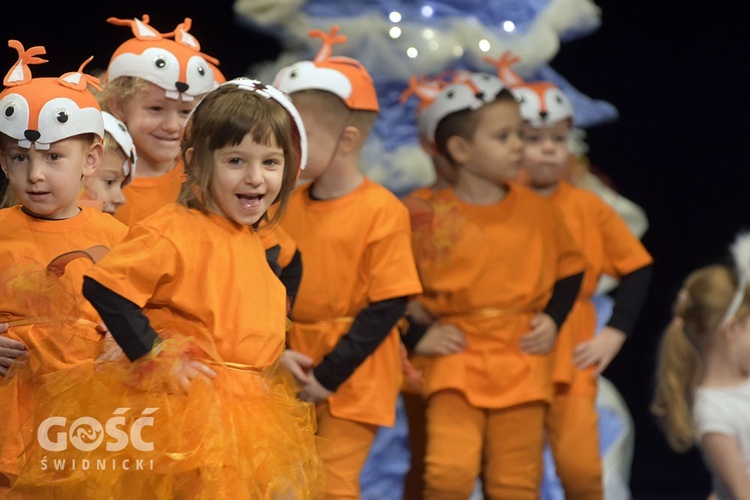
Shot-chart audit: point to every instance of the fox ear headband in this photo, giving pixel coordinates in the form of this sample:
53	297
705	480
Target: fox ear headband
439	98
172	61
342	76
540	103
740	251
41	111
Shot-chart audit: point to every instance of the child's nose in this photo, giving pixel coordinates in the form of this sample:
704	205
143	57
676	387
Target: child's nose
35	172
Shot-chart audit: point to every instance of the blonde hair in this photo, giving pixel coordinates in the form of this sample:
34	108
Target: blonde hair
223	118
120	89
698	312
334	112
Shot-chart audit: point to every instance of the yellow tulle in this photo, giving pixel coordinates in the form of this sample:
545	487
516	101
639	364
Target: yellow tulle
243	435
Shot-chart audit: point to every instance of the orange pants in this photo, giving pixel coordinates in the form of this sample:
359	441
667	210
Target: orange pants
343	451
504	445
573	436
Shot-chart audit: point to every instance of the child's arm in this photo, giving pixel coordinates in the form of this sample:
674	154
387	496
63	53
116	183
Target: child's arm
629	300
291	276
544	326
724	455
9	350
369	328
132	331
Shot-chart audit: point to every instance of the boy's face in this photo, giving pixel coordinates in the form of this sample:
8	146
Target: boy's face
322	138
47	182
155	124
495	151
546	153
106	183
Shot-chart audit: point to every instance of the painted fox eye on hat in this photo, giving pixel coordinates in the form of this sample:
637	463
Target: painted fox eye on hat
342	76
41	111
177	65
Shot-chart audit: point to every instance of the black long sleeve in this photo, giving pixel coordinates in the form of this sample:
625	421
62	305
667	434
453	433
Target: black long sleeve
629	298
369	328
125	320
291	275
413	334
564	295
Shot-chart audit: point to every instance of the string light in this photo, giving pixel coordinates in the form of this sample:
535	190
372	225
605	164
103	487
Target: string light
427	11
509	26
433	45
395	17
458	51
428	34
484	45
395	32
412	52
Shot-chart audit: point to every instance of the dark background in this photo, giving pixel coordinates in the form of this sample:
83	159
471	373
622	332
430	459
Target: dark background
676	71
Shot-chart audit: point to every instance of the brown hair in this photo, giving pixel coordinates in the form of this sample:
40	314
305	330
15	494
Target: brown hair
463	124
698	312
121	89
223	118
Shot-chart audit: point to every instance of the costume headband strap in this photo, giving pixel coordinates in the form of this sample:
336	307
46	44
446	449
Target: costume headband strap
740	251
272	93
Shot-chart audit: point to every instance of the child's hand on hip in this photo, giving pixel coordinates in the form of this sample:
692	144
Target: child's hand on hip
600	350
542	337
313	391
298	364
441	340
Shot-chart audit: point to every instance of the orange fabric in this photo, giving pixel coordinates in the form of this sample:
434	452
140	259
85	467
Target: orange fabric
356	250
278	236
609	246
52	318
177	290
488	270
573	435
343	448
146	195
461	437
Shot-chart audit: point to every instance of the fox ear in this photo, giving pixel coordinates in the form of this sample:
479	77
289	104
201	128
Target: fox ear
20	73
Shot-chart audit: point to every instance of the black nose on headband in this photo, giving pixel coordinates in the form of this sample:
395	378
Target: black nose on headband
182	87
32	135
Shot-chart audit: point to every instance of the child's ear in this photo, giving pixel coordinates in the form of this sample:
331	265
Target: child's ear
93	158
189	155
458	149
350	140
429	146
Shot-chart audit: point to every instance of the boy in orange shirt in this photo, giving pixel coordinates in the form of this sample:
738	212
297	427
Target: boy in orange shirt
610	248
359	270
153	81
498	264
50	140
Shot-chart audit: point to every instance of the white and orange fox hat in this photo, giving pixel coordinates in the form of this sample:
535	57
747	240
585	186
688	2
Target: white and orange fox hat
342	76
439	98
41	111
119	132
177	65
540	103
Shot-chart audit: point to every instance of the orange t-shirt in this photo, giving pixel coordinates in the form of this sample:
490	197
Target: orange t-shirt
47	313
489	270
609	247
201	276
146	195
27	245
356	250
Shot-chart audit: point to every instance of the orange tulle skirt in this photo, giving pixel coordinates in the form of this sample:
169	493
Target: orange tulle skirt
120	431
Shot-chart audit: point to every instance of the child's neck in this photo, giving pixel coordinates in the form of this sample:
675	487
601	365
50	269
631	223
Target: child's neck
720	370
338	180
475	190
148	168
547	190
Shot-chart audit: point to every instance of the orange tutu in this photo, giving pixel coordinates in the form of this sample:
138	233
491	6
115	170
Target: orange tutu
118	432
